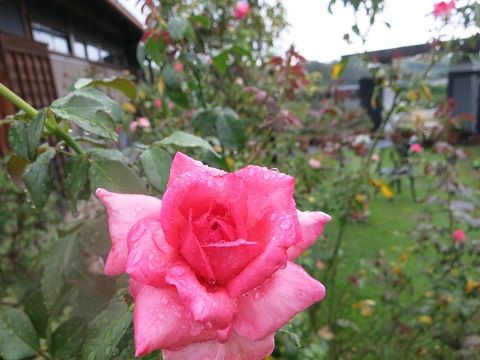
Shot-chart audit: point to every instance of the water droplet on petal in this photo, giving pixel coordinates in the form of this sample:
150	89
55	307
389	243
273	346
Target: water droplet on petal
177	271
286	224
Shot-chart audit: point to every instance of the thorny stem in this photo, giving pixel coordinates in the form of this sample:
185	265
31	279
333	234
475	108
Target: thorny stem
32	112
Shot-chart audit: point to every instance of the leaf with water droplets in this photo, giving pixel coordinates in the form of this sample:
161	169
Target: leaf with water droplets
115	176
156	164
68	338
123	85
18	339
186	140
106	331
76	177
37	178
90	109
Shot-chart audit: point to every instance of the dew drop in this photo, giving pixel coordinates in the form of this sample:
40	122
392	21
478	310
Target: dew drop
195	329
177	271
286	224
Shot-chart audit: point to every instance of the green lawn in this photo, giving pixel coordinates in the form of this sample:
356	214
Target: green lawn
387	229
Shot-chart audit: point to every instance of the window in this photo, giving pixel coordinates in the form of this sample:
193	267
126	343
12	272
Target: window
79	49
55	40
93	52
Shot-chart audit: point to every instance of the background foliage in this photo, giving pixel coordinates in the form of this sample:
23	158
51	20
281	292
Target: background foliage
398	285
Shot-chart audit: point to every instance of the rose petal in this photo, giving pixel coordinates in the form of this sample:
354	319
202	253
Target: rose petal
162	322
265	191
182	163
191	250
312	225
124	210
277	232
237	348
214	307
228	259
195	202
148	253
268	308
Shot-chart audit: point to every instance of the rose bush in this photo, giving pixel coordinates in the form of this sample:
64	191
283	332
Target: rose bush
211	263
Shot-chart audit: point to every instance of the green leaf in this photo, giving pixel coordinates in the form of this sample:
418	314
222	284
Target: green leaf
18	139
141	54
115	176
90	109
125	86
177	27
155	48
106	331
18	339
173	85
185	140
67	339
34	133
221	62
156	164
230	129
61	261
204	121
37	178
24	138
76	177
16	167
37	312
355	29
294	338
201	20
224	123
108	154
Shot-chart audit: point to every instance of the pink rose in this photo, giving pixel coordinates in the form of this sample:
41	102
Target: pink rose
242	8
158	103
211	263
443	8
416	148
375	157
178	67
144	122
459	236
133	126
314	163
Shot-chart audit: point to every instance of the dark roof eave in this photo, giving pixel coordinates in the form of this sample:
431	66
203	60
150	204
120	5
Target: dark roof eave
125	13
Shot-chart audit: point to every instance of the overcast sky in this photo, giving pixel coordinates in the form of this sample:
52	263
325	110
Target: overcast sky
318	35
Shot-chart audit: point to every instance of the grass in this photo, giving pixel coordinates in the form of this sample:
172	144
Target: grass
386	230
390	222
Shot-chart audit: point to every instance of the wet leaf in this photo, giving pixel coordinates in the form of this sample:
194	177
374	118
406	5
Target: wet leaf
37	178
18	339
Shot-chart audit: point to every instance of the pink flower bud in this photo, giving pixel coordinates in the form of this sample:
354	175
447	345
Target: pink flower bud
416	148
144	122
158	103
459	236
375	157
178	67
133	126
443	8
314	164
242	8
